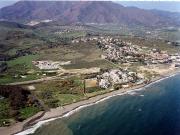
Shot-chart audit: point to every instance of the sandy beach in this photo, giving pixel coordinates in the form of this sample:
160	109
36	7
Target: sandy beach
32	123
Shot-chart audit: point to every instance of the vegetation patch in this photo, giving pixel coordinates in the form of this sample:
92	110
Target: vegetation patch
17	70
16	104
58	92
86	64
28	111
26	61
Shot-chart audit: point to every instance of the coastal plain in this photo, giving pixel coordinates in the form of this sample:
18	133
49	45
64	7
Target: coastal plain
62	67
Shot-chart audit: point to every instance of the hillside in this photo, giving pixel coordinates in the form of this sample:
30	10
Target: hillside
84	12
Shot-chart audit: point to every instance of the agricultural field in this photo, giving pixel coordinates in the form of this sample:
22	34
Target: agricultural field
62	92
18	70
82	55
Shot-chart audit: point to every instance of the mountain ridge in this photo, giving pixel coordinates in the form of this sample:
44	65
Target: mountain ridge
84	12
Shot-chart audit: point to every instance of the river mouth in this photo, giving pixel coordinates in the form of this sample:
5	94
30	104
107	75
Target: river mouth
153	110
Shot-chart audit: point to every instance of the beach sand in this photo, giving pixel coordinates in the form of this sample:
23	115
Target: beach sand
39	119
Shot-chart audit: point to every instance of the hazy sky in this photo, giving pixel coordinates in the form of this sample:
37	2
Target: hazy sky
4	3
170	5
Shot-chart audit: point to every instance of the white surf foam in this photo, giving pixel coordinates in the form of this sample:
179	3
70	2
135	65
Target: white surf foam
33	128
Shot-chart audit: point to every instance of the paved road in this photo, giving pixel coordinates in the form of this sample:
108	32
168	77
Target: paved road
35	81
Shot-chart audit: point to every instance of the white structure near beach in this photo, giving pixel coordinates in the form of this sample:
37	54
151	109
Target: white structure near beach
50	64
114	76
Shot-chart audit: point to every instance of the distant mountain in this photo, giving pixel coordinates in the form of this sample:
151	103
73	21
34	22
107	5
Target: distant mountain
84	12
175	16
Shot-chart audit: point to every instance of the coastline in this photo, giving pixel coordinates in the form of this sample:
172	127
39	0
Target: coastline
22	128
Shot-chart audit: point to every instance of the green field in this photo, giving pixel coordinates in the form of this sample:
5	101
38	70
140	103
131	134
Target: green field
71	34
28	112
19	67
26	61
60	92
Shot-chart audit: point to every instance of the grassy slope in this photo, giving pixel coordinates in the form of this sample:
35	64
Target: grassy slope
19	66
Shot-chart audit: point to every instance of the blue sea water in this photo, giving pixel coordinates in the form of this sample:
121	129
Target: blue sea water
155	110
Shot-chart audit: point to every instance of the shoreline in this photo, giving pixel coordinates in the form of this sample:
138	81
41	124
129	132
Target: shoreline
33	123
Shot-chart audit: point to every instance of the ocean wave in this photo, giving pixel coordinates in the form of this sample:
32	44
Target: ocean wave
33	128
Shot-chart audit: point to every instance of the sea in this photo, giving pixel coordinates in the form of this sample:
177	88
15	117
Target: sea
153	110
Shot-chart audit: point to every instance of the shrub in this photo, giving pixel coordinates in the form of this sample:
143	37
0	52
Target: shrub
17	95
